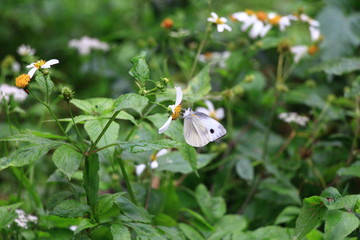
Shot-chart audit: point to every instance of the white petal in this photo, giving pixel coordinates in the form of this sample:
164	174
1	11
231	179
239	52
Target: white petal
240	16
165	126
314	33
179	96
210	105
154	164
214	15
162	152
139	169
227	27
223	19
49	63
265	30
256	29
220	27
250	21
219	113
32	72
203	110
30	65
314	23
211	20
299	52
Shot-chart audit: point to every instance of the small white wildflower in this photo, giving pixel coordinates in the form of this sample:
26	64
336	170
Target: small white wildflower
85	44
302	51
40	64
220	22
293	117
32	218
180	33
15	66
6	91
176	108
217	114
25	50
139	169
73	228
215	58
22	220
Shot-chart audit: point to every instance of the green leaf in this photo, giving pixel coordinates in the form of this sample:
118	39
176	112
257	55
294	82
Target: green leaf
199	86
94	106
132	211
212	207
164	220
172	233
311	215
175	131
33	138
56	198
353	170
347	202
67	160
8	214
189	154
245	169
331	193
84	224
287	214
145	231
91	181
174	162
339	224
199	218
106	202
140	70
190	232
120	232
271	233
131	101
24	156
70	209
232	223
45	83
339	66
144	146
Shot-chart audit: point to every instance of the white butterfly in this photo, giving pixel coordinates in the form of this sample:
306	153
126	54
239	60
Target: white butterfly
200	129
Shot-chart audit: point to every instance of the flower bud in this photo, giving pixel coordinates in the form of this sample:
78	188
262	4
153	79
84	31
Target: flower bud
67	94
282	87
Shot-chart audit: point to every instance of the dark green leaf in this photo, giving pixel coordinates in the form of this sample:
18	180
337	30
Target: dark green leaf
287	215
106	202
94	106
339	224
132	211
70	209
190	232
232	223
67	160
120	232
140	70
45	83
131	101
84	224
353	170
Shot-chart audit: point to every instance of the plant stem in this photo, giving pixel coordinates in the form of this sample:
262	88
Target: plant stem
202	44
76	128
354	144
251	194
127	180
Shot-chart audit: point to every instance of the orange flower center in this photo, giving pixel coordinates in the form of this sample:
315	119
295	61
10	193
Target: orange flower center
153	157
275	20
208	55
218	21
313	49
232	18
39	63
176	112
249	12
167	23
262	16
22	81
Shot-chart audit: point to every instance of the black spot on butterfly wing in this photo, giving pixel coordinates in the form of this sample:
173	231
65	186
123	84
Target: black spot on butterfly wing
212	130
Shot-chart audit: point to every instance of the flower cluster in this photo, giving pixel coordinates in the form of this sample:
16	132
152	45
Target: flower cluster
85	44
6	91
293	117
25	50
215	58
22	219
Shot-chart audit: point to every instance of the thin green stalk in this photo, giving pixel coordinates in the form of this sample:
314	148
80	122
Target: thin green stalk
354	144
75	125
250	195
202	44
29	187
104	130
127	180
6	106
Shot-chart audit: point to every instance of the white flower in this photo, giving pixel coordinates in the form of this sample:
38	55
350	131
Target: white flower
176	108
217	114
220	22
314	33
6	91
139	169
282	21
248	18
15	66
73	228
22	220
299	52
215	58
258	21
40	64
25	50
293	117
85	44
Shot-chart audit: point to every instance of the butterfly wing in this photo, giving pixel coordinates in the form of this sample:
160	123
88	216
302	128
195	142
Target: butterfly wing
200	129
196	134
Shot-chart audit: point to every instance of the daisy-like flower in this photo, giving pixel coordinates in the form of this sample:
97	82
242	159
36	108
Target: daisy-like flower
220	22
258	21
40	64
22	81
139	169
216	58
217	114
293	117
25	50
281	21
85	44
302	51
6	91
176	108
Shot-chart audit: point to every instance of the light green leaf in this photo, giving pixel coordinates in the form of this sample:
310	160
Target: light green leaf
84	224
339	224
347	202
140	70
91	181
245	169
353	170
199	86
120	232
106	202
144	146
70	209
189	154
287	214
272	233
145	231
131	101
67	160
232	223
190	232
94	106
311	215
8	214
45	83
339	66
213	207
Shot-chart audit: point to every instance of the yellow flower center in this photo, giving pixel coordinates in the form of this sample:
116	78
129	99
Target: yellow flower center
208	55
275	20
22	81
218	21
39	63
313	49
249	12
232	18
153	157
176	112
213	115
262	16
